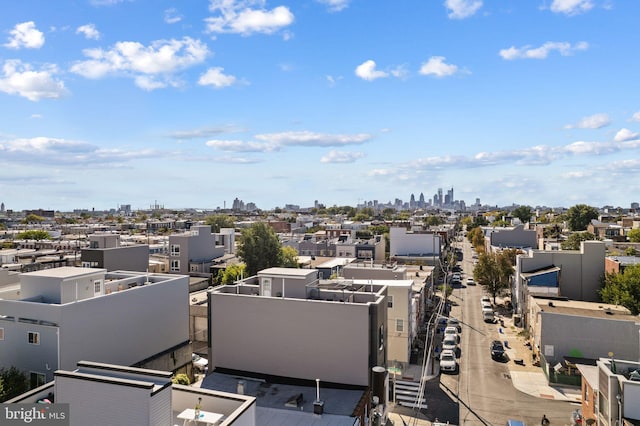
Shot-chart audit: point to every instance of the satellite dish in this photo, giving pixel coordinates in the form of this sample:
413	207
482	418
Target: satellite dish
610	354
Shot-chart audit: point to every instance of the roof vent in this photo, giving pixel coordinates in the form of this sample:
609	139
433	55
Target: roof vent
551	304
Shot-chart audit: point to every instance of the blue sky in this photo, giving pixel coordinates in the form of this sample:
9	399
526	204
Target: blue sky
195	103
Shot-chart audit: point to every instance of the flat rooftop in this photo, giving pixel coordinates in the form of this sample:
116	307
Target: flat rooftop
291	272
587	309
65	272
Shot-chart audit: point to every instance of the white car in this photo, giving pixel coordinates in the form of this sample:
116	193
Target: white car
448	362
449	343
470	281
198	362
451	331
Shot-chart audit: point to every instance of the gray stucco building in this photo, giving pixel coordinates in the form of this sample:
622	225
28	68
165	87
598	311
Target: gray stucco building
69	314
286	322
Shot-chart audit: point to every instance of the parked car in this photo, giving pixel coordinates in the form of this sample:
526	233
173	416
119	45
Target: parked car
452	331
454	322
484	299
497	350
449	343
199	362
470	281
488	316
448	363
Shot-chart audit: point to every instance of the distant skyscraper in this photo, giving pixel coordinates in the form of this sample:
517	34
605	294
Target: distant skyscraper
440	198
412	201
451	198
2	207
421	200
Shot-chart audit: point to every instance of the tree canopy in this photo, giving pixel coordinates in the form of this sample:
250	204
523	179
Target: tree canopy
476	237
580	215
523	213
623	289
259	248
34	234
493	272
219	221
634	235
289	257
32	218
574	240
231	274
13	382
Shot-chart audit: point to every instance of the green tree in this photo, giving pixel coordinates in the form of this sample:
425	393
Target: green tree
476	237
433	220
231	273
32	218
493	272
623	289
634	235
574	240
13	382
630	251
523	213
580	215
388	213
259	248
34	234
219	221
289	257
500	223
181	379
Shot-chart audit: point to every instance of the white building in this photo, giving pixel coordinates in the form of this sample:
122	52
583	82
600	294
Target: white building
68	314
105	394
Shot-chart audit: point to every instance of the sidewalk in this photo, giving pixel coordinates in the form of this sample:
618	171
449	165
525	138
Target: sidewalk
528	378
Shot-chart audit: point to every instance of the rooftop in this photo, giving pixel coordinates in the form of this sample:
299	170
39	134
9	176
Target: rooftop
587	309
65	272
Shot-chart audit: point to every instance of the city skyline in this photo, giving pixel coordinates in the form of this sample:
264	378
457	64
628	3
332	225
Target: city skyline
286	102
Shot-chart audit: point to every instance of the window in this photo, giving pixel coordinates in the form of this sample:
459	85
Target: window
97	287
389	301
34	338
381	338
399	325
175	266
36	379
1	333
175	249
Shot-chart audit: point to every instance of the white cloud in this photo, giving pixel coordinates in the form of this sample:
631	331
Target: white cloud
151	66
595	121
333	80
625	135
582	174
367	71
20	79
240	146
89	31
36	116
203	132
571	7
528	52
270	142
436	66
636	116
341	157
171	16
335	5
214	77
25	35
238	17
460	9
56	151
306	138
